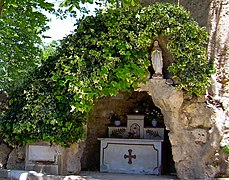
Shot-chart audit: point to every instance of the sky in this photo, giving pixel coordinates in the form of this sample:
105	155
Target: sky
60	28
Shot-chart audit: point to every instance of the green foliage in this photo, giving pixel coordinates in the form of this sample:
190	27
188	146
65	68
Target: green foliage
107	54
226	149
77	4
50	49
41	110
21	26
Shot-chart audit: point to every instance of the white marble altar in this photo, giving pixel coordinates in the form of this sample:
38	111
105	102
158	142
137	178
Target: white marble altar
136	156
132	148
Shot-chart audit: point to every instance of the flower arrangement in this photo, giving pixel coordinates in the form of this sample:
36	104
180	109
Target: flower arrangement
117	119
153	116
114	117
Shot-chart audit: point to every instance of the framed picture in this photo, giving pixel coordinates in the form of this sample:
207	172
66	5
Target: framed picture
135	126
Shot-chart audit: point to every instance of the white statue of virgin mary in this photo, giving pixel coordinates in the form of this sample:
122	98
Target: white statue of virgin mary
156	59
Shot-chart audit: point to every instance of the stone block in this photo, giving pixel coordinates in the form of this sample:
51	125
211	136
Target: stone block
42	158
73	157
41	153
154	133
133	156
51	169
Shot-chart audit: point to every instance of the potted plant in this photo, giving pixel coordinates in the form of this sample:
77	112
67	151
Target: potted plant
152	118
155	117
154	122
115	119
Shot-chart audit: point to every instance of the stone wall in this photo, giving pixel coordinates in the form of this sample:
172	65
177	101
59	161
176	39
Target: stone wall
199	9
67	160
218	52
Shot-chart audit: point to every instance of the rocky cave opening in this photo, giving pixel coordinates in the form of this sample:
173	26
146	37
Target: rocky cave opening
137	102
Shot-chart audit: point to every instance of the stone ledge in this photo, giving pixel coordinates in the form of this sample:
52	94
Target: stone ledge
31	175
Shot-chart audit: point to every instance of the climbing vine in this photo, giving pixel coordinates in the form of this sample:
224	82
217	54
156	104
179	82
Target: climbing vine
106	54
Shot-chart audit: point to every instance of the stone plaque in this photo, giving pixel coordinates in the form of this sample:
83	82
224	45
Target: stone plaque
154	133
41	153
117	132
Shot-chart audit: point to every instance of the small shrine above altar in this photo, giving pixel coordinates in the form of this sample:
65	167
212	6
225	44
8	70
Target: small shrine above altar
135	129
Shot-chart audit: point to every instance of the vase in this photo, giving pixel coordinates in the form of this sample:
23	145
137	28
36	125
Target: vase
117	122
154	123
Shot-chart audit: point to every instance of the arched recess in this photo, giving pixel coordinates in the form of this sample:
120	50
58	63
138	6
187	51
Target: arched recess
164	96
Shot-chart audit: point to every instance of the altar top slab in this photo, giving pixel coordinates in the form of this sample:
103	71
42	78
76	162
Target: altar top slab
130	140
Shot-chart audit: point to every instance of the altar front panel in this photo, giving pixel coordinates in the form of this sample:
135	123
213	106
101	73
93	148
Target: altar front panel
138	156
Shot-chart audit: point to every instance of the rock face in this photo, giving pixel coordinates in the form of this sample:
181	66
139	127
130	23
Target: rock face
4	153
214	14
188	119
218	50
16	159
73	157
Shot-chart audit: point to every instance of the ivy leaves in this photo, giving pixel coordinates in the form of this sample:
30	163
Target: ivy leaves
106	54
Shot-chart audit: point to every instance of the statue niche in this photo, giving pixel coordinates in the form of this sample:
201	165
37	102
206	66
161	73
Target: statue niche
156	61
